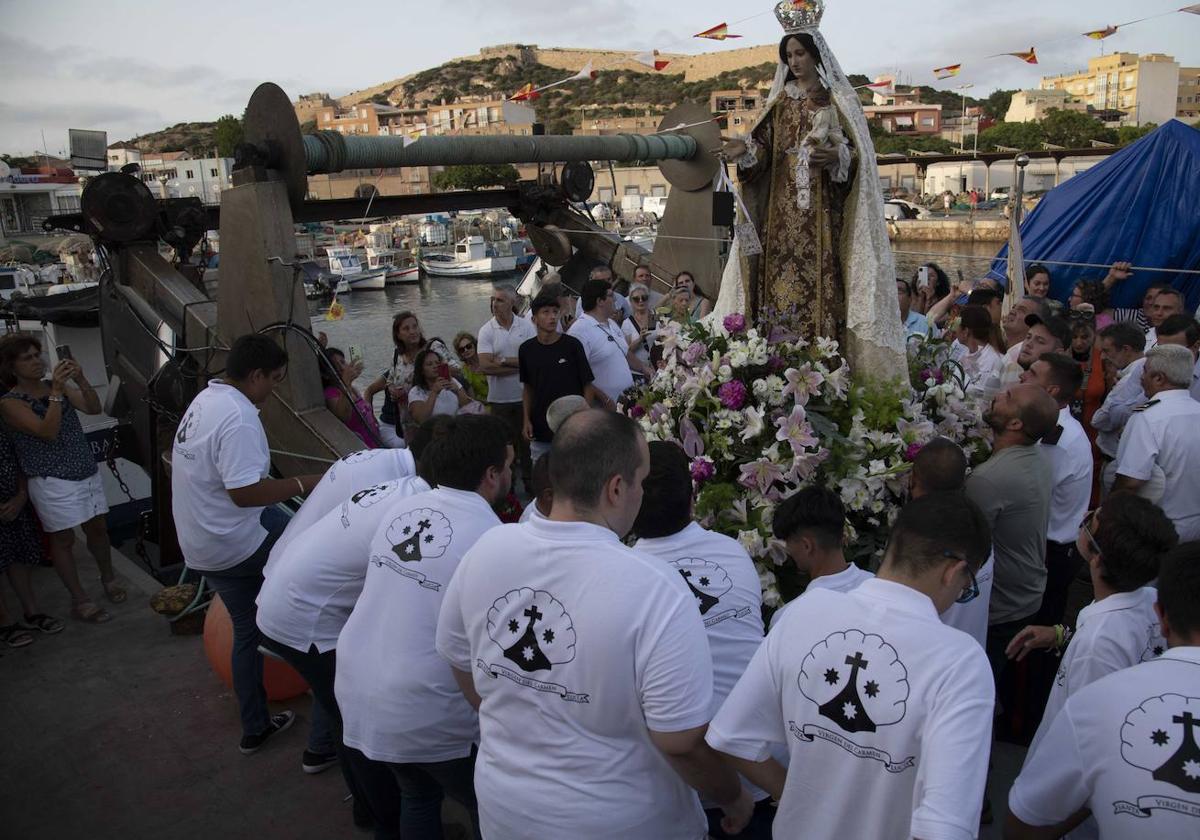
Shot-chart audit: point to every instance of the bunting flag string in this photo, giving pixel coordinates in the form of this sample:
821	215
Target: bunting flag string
1101	34
1028	56
717	33
947	72
651	59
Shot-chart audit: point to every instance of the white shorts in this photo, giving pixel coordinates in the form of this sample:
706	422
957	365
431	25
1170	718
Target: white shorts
63	504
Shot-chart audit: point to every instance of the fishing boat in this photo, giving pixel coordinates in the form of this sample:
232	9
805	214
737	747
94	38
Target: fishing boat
473	257
398	267
344	263
319	283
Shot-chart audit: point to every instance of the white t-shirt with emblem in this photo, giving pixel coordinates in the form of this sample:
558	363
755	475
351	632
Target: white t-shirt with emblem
883	710
398	697
1114	633
606	350
219	446
579	648
346	476
1071	463
1128	748
1164	434
843	581
308	593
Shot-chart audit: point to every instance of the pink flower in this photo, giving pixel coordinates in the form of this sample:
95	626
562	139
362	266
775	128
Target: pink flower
636	411
735	323
910	454
702	470
802	383
694	353
760	475
732	394
934	373
776	363
795	430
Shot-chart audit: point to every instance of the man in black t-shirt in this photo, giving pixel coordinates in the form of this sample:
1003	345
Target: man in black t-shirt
551	365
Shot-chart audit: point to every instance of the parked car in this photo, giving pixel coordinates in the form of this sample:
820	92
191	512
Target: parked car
1000	193
898	208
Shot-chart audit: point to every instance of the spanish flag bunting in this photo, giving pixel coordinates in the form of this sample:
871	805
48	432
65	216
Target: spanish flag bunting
717	33
1029	57
586	73
1101	34
1192	10
947	72
336	311
525	94
651	59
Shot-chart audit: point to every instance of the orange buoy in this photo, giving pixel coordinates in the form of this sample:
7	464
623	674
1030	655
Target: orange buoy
279	678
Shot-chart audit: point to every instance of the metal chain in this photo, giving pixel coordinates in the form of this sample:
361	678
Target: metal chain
111	459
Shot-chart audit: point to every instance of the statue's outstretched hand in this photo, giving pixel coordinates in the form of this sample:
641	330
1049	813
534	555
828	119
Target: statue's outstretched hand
732	147
822	156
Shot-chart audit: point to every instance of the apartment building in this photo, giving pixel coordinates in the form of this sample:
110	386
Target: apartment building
1145	89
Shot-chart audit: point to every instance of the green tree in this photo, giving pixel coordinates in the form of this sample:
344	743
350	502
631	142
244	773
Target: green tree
1127	134
476	176
559	126
227	134
1028	135
1075	130
996	105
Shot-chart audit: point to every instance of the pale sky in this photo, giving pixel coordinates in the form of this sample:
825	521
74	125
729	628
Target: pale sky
130	67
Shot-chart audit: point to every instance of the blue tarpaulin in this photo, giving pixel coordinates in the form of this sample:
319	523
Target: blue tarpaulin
1141	204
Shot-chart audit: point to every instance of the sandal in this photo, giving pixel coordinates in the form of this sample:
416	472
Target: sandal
43	623
115	593
89	612
15	636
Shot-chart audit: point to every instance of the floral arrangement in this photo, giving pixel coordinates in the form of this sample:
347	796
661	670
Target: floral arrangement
761	412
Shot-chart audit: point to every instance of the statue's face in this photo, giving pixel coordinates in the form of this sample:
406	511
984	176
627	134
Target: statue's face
802	65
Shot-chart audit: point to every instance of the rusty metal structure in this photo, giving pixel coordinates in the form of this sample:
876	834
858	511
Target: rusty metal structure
164	325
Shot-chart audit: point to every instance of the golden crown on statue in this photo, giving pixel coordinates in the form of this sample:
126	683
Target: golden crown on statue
799	15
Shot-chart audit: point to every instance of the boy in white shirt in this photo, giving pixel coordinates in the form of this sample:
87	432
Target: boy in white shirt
722	579
812	523
222	501
1122	543
1126	749
400	702
884	710
588	662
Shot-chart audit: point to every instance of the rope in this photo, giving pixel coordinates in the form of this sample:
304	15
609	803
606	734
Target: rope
1032	260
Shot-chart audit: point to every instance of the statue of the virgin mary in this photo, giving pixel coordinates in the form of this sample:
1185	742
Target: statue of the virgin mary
812	192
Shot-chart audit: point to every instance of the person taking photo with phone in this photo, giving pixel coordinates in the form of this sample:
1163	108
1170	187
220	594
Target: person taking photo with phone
434	389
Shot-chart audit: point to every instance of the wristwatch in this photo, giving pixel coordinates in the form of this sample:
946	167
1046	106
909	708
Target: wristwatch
53	398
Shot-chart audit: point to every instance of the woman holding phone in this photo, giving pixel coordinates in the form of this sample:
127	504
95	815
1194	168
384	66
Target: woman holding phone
434	389
395	421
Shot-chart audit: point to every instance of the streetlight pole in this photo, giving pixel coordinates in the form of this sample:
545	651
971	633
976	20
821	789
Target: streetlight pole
962	123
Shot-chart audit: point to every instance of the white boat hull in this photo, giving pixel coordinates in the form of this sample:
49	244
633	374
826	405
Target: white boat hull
404	275
371	280
469	268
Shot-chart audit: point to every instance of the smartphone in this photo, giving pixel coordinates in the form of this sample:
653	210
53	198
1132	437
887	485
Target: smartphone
923	277
63	351
356	354
443	371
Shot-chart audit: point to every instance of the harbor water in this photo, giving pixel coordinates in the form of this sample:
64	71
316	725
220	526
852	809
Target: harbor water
448	305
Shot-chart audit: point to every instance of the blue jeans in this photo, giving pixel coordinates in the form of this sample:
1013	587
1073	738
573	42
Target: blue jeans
421	790
238	587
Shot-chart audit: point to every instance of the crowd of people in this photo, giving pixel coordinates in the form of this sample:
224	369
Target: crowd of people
605	667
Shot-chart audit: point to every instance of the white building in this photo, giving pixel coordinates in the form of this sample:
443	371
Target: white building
177	174
1145	89
26	200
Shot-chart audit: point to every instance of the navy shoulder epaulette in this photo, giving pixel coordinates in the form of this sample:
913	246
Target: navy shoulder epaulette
1146	405
1052	437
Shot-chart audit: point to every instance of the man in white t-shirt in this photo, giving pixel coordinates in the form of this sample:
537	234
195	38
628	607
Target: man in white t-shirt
399	699
884	710
622	309
1125	750
941	467
588	662
499	342
1069	453
222	501
812	523
608	353
1123	543
723	581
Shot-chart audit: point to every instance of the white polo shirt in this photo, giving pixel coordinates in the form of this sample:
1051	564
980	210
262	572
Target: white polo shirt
308	593
1126	748
844	581
606	350
1165	434
972	617
499	341
219	446
349	474
1112	415
1070	460
579	648
883	710
1111	634
531	512
399	700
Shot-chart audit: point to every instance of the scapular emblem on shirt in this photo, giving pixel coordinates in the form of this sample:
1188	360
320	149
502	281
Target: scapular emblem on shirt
421	534
857	681
1162	736
366	498
709	583
1155	643
358	457
534	631
188	426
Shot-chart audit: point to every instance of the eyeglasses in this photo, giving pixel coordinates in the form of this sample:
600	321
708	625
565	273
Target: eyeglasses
638	298
466	345
1081	315
1083	526
971	591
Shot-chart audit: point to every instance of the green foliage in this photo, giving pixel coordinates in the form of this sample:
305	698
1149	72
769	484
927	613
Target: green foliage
559	126
1028	135
308	127
476	176
886	144
1127	134
227	134
996	105
1075	130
